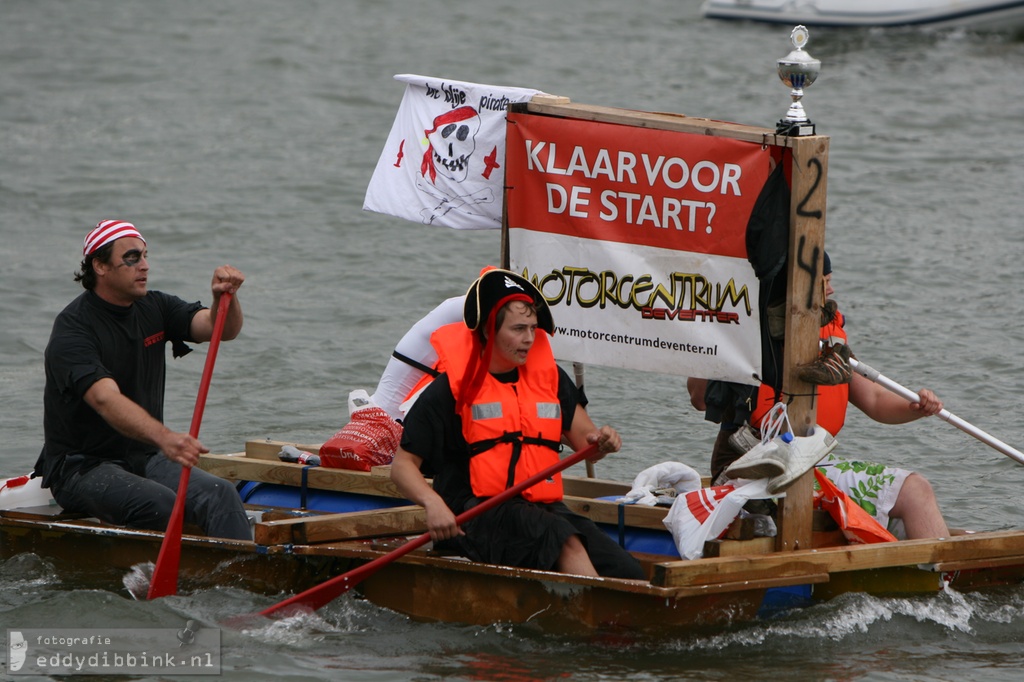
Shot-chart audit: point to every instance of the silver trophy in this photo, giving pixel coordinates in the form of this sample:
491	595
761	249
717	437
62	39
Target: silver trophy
798	70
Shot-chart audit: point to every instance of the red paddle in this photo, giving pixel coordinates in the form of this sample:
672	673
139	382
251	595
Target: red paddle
165	574
325	592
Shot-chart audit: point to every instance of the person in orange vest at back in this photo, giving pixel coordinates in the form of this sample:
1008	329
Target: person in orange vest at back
901	500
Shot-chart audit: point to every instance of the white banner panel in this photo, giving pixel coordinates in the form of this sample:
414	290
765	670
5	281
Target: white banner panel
640	307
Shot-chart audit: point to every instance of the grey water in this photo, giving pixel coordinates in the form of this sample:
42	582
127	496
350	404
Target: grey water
245	132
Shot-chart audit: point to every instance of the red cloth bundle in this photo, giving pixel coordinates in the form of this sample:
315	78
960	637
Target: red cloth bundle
369	439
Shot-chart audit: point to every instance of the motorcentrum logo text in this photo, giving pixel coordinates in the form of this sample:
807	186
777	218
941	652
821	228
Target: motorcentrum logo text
682	296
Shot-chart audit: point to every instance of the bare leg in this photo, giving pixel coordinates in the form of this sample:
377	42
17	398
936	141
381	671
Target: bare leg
574	558
917	506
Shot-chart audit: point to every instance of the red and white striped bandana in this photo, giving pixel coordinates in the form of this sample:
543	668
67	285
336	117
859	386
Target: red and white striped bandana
107	231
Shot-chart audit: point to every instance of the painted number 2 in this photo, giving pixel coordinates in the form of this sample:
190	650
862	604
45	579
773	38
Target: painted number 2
801	208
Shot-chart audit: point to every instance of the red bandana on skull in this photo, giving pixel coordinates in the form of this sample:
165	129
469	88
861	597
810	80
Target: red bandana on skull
454	116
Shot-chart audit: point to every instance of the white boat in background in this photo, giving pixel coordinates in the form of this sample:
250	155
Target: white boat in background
989	15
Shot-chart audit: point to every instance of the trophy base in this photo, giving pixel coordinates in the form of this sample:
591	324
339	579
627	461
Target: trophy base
794	128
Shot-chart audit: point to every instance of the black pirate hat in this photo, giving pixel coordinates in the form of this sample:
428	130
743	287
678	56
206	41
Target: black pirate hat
494	288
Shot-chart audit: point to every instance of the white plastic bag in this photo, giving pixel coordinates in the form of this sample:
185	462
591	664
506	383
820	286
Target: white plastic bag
705	514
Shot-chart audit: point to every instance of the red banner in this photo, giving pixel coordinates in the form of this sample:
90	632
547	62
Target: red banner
672	190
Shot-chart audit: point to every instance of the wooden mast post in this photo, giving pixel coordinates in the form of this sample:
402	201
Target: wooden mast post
804	299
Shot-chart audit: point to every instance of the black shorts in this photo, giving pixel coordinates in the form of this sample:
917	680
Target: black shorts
531	535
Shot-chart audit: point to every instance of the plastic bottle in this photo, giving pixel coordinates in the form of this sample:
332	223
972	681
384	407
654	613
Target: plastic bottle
292	454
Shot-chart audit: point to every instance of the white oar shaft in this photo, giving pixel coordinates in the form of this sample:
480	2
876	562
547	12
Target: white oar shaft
874	375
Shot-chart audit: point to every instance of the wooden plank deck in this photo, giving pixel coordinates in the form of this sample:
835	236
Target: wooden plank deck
410	520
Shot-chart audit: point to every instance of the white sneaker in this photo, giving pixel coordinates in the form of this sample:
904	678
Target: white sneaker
761	461
800	457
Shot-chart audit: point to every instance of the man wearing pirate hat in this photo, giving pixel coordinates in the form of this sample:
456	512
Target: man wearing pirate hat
494	417
106	451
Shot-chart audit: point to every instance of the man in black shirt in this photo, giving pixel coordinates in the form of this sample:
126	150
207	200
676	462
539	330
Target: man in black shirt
107	452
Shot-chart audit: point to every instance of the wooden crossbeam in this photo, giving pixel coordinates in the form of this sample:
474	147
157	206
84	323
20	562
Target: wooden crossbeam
760	584
408	520
659	121
974	564
284	473
267	450
720	548
974	548
602	511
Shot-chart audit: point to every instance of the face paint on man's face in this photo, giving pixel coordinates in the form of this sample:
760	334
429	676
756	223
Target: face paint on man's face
132	258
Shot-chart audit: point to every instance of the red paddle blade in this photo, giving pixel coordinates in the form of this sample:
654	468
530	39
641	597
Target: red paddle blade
165	573
326	592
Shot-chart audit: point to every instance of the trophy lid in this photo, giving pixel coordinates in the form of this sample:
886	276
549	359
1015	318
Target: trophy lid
797	70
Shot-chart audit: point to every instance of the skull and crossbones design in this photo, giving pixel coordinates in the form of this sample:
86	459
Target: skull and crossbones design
452	141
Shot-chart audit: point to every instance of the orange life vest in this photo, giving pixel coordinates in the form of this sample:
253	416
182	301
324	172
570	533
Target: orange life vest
513	430
832	400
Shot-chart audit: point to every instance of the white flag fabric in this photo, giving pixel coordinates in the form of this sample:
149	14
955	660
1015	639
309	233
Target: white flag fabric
443	160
